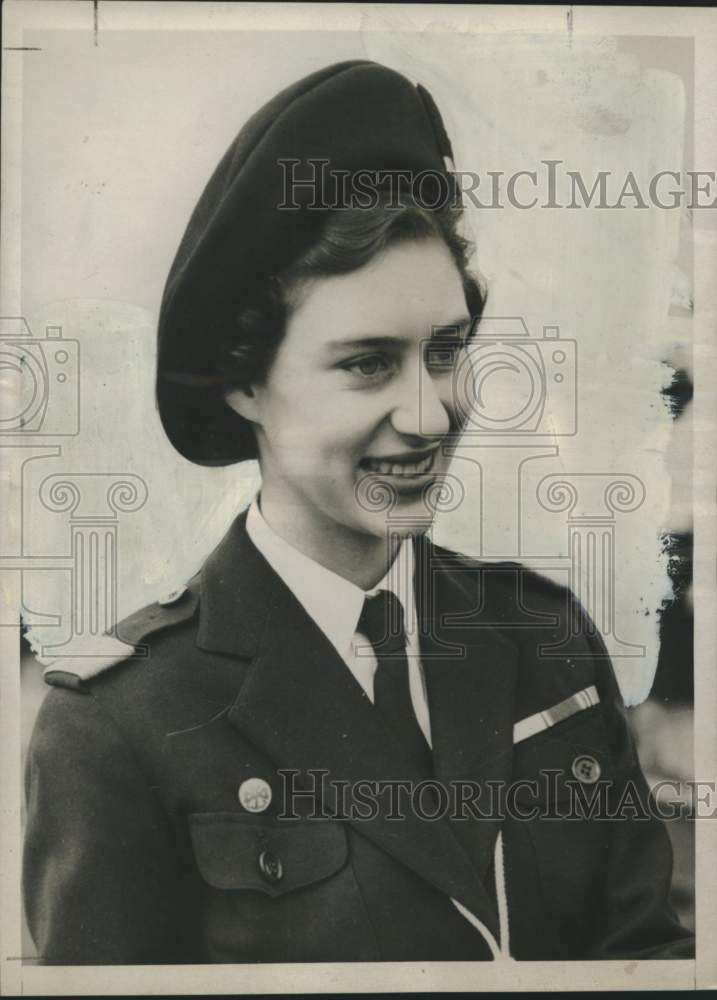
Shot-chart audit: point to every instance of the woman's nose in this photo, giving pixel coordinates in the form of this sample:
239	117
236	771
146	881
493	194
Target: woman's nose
422	410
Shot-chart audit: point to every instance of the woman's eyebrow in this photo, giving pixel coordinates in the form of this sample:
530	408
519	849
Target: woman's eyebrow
374	340
360	341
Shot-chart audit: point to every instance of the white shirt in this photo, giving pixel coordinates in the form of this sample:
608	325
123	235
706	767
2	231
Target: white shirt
335	604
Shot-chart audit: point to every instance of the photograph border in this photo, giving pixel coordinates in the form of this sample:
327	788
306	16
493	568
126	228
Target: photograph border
701	24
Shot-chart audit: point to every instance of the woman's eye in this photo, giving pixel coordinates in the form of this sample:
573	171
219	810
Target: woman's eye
369	366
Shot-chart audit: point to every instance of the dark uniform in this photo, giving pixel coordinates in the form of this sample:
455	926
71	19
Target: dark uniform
154	799
140	848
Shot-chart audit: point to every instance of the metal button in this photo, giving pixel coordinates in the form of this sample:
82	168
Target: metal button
586	769
172	596
255	794
270	867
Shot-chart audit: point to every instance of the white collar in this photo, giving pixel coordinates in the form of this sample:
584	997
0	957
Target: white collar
334	603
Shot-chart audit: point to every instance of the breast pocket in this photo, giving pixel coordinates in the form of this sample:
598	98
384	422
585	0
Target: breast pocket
252	853
277	891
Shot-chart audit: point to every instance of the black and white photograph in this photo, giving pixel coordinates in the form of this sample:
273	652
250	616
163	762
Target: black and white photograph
357	455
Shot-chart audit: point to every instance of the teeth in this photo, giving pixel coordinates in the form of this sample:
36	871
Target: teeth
398	469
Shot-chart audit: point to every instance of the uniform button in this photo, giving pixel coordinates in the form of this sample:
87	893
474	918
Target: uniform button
172	596
270	867
255	794
586	769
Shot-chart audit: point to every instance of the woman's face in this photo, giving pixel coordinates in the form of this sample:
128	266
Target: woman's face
356	403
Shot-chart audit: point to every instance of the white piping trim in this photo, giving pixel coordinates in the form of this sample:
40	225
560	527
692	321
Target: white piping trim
481	928
500	952
502	897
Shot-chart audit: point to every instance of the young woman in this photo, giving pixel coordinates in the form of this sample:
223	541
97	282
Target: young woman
345	743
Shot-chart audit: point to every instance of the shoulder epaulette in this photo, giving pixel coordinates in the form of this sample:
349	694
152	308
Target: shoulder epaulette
75	671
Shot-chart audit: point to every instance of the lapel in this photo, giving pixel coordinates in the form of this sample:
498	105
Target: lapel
470	671
301	706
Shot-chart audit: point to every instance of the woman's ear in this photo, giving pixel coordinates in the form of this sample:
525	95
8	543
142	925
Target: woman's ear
243	400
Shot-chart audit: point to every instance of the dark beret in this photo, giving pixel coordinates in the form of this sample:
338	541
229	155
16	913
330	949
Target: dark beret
356	115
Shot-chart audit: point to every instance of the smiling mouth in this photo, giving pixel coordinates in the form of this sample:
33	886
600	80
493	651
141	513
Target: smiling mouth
395	466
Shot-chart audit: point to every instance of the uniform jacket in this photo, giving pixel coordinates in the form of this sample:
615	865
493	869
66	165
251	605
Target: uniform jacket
139	850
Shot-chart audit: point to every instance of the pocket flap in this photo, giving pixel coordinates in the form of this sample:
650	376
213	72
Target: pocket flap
234	851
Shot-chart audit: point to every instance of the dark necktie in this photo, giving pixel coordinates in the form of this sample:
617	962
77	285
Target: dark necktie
382	622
